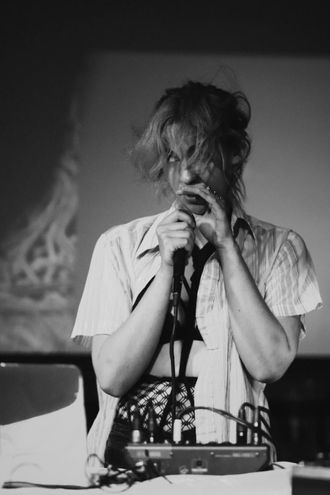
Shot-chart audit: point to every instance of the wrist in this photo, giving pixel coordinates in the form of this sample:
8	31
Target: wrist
227	246
165	273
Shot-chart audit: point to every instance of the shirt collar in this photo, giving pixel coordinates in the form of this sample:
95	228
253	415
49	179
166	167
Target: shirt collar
149	241
239	220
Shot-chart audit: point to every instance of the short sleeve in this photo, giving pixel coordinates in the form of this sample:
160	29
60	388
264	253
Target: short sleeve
291	286
106	301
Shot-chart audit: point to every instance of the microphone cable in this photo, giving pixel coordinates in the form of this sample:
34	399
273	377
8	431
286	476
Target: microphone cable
179	262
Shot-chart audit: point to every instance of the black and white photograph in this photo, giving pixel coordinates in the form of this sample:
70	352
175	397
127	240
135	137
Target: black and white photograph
165	247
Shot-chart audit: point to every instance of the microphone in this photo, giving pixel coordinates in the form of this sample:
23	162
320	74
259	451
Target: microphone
179	263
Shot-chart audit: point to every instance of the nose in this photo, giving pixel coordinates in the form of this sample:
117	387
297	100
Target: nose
189	172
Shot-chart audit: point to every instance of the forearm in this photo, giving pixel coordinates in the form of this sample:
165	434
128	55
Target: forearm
121	358
262	342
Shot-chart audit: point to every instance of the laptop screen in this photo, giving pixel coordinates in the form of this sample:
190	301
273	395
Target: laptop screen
42	423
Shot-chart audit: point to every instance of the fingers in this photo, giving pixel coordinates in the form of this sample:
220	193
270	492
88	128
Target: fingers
214	194
181	216
211	196
176	235
176	231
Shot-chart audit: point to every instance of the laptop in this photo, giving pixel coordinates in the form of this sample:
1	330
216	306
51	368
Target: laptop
43	433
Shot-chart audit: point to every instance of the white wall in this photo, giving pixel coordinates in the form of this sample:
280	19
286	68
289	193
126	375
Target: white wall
287	177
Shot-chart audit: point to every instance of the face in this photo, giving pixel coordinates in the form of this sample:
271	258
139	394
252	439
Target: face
183	172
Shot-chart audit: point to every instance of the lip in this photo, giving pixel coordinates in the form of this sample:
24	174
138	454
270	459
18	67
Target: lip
192	199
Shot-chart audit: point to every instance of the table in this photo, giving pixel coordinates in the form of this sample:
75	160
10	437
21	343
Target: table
275	482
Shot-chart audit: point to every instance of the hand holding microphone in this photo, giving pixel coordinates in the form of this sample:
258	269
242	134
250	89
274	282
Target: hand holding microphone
176	235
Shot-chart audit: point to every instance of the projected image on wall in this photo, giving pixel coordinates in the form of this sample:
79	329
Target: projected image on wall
37	261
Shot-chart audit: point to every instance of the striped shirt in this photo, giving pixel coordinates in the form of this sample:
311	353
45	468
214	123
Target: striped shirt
124	260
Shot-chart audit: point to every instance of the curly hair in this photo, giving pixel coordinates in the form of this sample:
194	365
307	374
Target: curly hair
215	120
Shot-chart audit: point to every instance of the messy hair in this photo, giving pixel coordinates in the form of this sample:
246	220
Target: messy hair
215	120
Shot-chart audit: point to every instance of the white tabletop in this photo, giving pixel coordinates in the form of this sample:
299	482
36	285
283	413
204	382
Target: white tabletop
275	482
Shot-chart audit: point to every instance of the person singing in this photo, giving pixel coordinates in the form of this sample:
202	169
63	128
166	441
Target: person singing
246	288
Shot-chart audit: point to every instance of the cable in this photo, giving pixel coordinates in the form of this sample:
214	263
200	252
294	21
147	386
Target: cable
136	433
24	484
152	423
255	429
172	357
241	431
278	465
103	475
261	419
227	415
152	470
